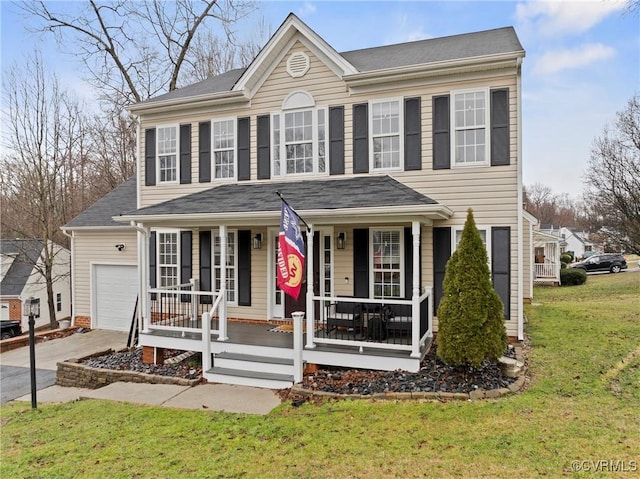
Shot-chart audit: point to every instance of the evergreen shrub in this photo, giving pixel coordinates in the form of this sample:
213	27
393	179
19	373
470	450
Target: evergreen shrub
573	277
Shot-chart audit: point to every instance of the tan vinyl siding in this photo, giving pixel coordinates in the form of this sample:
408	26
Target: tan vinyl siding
98	247
490	191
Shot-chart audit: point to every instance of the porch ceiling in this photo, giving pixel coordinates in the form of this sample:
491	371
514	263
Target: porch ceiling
372	199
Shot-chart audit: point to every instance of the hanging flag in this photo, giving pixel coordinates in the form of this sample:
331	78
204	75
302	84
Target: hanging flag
290	252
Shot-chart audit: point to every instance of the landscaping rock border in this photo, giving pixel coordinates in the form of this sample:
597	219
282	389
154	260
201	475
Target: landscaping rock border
71	373
512	368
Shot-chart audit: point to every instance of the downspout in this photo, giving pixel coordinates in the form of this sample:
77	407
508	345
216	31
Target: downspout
520	204
73	275
143	280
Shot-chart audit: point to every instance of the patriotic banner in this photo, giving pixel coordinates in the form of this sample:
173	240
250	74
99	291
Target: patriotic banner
290	252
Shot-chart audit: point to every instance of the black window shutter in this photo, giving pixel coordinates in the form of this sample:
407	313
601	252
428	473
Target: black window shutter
412	134
361	138
408	263
185	154
244	154
153	278
244	268
336	140
264	147
204	151
361	263
500	151
441	254
501	265
441	133
186	272
150	157
205	265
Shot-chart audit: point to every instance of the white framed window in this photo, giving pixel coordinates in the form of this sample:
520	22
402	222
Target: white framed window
58	302
300	141
167	153
231	264
470	127
485	234
168	266
386	125
224	147
387	262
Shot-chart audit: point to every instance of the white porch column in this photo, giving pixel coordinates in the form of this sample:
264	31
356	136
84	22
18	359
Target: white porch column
415	294
222	308
206	341
298	368
310	307
144	310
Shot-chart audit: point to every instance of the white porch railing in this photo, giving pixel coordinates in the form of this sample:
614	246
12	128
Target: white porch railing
547	270
350	321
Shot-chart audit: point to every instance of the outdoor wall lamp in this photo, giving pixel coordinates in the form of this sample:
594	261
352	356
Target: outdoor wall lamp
257	241
341	240
120	246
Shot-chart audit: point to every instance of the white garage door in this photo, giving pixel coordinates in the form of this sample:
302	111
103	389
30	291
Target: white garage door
4	311
116	291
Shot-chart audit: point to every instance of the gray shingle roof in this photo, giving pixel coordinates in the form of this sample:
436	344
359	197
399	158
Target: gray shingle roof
358	192
114	203
422	52
433	50
26	252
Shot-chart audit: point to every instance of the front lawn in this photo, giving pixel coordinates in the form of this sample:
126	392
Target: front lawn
581	405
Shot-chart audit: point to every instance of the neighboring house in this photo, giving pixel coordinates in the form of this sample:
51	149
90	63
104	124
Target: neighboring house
572	240
20	263
104	262
545	250
380	150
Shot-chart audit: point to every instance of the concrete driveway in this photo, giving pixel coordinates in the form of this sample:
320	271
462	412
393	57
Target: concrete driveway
15	375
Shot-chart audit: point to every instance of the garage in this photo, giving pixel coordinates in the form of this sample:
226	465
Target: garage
115	293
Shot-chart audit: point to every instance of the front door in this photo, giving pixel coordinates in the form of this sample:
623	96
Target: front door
292	305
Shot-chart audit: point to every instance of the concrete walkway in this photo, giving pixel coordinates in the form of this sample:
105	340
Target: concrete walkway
205	397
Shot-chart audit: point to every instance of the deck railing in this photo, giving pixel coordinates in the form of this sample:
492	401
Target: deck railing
396	324
181	308
547	270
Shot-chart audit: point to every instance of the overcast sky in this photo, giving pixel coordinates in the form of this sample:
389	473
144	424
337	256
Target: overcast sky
582	61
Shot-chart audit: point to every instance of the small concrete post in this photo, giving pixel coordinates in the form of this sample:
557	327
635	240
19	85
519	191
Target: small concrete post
206	341
297	345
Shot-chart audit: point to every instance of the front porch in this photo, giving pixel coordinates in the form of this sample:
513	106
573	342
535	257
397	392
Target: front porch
546	258
255	353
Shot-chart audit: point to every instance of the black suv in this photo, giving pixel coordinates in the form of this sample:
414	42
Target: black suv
611	262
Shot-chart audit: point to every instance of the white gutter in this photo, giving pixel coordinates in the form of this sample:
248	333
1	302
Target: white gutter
73	275
189	102
520	207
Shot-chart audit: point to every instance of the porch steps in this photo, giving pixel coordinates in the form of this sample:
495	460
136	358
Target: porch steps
249	370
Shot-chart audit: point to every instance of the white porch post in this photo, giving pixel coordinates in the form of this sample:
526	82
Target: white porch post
298	368
206	341
415	296
144	310
222	308
310	307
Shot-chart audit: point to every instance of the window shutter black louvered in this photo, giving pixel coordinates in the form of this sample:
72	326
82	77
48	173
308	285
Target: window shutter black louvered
150	157
336	140
412	134
264	147
204	151
185	154
205	265
500	151
441	254
186	272
244	268
441	133
244	154
361	262
501	265
361	138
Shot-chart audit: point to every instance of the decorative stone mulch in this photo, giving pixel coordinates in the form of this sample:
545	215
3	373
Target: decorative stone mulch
176	364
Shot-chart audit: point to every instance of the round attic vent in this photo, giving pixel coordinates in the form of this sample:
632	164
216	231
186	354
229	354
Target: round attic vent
298	64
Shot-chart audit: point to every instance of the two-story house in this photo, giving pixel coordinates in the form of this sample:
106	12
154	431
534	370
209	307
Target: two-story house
381	151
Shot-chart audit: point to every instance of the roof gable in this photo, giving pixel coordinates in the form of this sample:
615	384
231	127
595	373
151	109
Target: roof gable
292	29
25	254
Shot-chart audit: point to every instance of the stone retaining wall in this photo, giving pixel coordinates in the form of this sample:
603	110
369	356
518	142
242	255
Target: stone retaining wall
71	373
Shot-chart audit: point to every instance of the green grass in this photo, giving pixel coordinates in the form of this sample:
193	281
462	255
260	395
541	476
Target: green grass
582	404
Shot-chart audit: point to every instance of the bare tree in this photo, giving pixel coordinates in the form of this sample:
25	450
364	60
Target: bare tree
43	129
550	208
613	179
136	50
